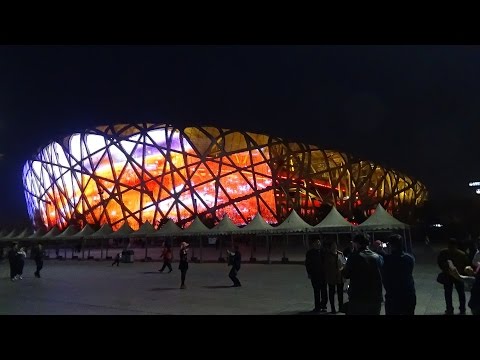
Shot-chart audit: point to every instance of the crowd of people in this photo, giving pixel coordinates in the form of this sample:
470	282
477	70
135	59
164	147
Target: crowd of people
368	273
16	260
459	270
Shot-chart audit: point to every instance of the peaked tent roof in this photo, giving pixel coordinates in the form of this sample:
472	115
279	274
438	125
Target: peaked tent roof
197	227
292	223
10	235
105	231
37	234
52	233
124	231
168	229
257	225
67	233
333	220
225	226
86	231
25	234
144	230
382	220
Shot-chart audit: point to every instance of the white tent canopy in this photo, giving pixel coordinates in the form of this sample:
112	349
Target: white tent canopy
257	225
168	229
144	230
67	233
333	221
51	234
293	223
86	231
11	235
381	220
37	234
25	234
225	227
123	232
196	228
103	232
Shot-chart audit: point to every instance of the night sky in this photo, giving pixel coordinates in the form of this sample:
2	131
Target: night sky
413	108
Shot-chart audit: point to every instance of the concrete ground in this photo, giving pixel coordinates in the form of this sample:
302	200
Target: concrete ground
96	288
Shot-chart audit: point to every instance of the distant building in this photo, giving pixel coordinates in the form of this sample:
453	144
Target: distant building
475	184
149	172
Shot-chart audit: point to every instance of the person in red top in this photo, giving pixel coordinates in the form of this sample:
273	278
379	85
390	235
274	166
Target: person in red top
167	256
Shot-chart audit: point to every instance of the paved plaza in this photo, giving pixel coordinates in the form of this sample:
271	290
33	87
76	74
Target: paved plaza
92	287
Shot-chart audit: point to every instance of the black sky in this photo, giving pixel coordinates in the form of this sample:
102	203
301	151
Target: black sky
412	108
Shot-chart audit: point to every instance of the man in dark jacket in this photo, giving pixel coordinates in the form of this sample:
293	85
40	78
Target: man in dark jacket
397	276
460	261
314	261
363	268
38	257
235	259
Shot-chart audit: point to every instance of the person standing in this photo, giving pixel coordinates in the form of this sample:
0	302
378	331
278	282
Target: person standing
315	270
12	257
167	256
234	259
334	261
38	257
363	268
473	278
183	263
474	302
397	277
460	261
20	262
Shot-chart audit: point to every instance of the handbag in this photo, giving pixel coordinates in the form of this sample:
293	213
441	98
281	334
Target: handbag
442	278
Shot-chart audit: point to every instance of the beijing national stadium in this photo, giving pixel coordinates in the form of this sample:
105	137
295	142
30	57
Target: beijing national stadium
153	172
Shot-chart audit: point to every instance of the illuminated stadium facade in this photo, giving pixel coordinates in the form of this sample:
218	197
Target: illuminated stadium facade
151	172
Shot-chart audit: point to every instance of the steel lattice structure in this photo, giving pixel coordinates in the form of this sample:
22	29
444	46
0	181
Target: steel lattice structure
150	172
